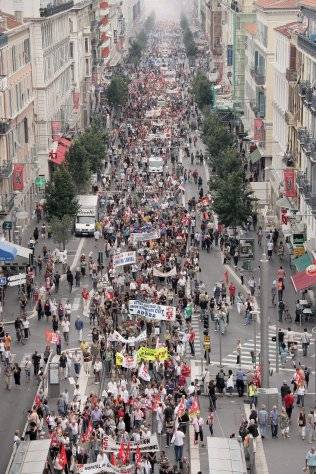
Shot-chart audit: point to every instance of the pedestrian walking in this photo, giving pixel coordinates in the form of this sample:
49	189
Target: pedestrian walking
17	375
70	279
274	421
263	421
178	440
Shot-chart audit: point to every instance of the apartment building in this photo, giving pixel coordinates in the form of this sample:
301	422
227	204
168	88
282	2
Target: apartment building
18	167
259	71
306	120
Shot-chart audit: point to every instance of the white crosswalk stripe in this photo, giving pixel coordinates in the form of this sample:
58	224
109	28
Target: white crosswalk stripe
248	346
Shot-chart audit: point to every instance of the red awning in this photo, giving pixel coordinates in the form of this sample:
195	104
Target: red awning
303	280
58	157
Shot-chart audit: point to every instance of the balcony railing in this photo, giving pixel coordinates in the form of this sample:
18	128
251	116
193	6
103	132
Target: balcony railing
307	44
291	75
50	9
259	76
6	169
6	204
305	188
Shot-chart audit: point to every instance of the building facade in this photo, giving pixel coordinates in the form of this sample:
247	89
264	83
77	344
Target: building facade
18	167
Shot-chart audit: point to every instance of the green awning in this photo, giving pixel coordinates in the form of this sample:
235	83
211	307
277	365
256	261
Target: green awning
254	156
301	263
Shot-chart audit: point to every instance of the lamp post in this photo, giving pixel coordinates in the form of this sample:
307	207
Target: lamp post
264	324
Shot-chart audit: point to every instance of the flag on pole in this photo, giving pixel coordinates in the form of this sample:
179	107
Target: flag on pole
62	456
138	456
121	453
128	452
113	459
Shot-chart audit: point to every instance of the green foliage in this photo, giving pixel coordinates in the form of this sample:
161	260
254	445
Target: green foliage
61	229
232	197
78	164
60	195
216	136
117	92
232	200
202	91
93	141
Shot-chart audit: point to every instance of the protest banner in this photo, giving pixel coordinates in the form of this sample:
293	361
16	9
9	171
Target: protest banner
51	337
144	236
123	360
124	258
155	312
148	354
143	373
110	445
117	337
98	468
158	273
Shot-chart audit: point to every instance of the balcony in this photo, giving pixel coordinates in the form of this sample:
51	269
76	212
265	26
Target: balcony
253	106
308	143
303	86
291	75
49	9
259	76
313	103
307	43
6	169
305	188
6	204
3	40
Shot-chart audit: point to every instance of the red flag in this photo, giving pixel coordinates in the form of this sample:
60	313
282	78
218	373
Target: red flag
127	452
37	400
62	456
289	182
195	407
121	453
87	434
138	456
113	459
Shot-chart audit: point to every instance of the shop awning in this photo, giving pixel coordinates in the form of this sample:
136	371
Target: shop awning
17	250
305	279
7	252
301	263
254	156
58	156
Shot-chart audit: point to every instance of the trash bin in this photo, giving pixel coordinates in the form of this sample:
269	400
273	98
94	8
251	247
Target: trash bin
53	378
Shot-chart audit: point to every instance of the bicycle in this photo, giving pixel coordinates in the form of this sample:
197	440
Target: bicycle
287	315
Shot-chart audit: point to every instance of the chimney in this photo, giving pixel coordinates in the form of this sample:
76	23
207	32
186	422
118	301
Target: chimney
19	16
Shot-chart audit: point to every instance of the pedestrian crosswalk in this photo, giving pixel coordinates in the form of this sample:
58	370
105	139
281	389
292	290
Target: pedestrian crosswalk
250	346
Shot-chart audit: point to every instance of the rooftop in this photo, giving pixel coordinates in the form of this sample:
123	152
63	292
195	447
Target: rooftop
251	28
308	3
290	29
8	22
279	4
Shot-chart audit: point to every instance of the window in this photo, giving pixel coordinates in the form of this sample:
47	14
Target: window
87	67
26	50
72	67
13	59
71	50
26	130
86	45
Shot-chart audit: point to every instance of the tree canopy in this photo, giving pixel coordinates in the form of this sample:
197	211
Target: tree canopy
117	92
61	194
202	91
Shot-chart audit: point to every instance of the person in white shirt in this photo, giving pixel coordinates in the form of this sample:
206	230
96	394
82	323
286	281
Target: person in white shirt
177	440
97	370
65	326
68	310
102	457
198	423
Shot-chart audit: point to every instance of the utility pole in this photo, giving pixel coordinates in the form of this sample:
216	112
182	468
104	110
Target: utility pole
264	323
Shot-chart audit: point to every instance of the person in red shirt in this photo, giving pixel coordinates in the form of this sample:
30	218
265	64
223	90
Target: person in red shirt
281	273
232	292
288	401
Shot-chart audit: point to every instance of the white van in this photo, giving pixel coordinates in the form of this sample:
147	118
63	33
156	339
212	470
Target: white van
155	164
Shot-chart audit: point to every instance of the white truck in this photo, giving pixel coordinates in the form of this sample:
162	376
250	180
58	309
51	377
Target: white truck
87	214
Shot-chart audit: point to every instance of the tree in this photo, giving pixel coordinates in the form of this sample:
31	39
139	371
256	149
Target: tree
78	163
61	229
202	91
117	92
227	162
216	136
60	195
93	141
232	200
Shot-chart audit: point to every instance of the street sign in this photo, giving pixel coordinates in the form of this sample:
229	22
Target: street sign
7	225
17	282
40	181
3	281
